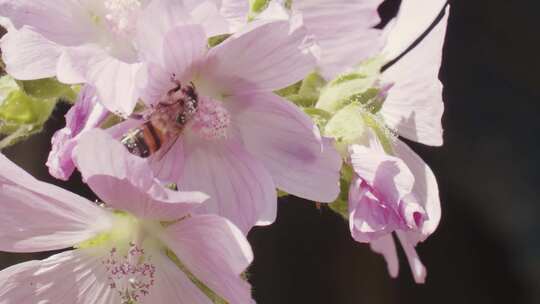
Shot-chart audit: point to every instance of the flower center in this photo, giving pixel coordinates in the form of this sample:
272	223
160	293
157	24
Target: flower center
212	119
120	15
131	275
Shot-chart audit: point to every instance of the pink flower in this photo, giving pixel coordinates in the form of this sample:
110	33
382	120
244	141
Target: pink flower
125	252
94	42
85	115
400	193
242	140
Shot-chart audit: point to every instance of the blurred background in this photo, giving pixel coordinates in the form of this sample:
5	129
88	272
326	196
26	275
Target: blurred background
487	247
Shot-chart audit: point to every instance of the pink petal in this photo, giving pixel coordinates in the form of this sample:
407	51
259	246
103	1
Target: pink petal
344	31
418	269
414	105
114	80
158	18
172	285
236	12
65	22
37	216
85	115
263	56
153	82
207	14
216	252
415	16
239	186
28	55
425	189
184	48
125	182
389	175
75	276
288	143
387	248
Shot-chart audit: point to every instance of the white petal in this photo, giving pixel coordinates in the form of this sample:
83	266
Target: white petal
414	105
37	216
387	248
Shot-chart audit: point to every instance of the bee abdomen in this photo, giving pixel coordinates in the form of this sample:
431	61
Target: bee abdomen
143	141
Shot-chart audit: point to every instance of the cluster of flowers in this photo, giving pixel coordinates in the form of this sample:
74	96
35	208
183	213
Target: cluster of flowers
191	117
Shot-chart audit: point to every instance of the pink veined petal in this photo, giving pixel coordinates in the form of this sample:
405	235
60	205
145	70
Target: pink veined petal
115	80
207	14
172	285
387	248
263	56
184	48
124	181
37	216
343	30
153	82
425	189
389	175
236	12
65	22
239	186
414	17
216	252
75	276
417	268
28	55
414	105
85	115
158	18
289	145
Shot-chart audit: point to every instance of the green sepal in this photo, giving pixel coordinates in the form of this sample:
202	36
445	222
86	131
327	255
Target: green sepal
341	204
48	88
281	193
304	93
217	40
20	114
256	7
347	127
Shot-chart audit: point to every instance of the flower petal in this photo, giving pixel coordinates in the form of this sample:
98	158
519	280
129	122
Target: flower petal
184	48
344	30
417	268
414	17
387	248
414	105
236	12
28	55
425	189
207	14
37	216
239	187
172	285
85	115
216	252
75	276
124	181
389	175
151	29
62	21
263	56
289	145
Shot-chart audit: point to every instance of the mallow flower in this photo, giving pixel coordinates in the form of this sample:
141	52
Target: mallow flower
94	41
141	245
242	141
343	29
392	189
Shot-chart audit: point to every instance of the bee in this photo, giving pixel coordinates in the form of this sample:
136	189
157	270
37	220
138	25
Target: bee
164	123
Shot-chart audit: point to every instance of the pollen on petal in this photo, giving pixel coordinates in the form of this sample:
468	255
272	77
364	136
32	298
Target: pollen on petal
212	120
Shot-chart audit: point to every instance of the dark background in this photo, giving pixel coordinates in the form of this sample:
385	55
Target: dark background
487	247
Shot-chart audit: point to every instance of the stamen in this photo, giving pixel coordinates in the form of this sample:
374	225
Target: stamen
121	14
212	120
131	275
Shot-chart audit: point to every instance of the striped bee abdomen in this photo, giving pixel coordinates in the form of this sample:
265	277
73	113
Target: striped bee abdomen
143	141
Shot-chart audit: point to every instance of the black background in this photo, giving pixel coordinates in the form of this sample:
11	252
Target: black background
487	247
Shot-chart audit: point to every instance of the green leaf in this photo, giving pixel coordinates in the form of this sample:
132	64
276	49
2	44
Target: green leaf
347	127
217	40
47	88
256	7
341	204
